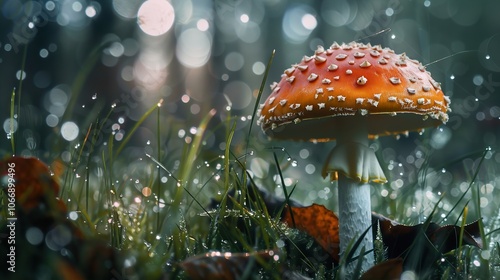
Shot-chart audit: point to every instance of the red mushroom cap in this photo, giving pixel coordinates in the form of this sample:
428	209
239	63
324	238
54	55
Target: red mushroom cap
393	93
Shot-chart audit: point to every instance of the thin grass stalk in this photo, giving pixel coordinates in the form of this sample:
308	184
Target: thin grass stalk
461	234
123	143
485	264
20	88
158	182
287	197
259	95
11	124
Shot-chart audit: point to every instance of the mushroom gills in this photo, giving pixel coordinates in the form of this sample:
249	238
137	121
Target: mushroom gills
354	160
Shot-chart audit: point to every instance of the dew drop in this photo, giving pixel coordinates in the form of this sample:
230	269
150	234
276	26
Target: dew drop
294	163
94	97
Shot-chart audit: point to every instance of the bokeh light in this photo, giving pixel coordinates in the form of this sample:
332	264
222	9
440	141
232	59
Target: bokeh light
194	48
69	131
155	17
298	23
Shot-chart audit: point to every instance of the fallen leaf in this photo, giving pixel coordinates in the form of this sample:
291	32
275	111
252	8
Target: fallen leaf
33	183
64	251
222	266
388	270
422	245
399	238
319	222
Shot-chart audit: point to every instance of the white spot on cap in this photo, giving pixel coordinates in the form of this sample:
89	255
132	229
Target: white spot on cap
374	103
321	105
331	97
341	56
297	120
374	53
330	89
392	98
312	77
359	100
382	61
326	81
309	107
340	98
273	85
335	46
348	71
306	58
361	80
436	85
271	100
319	50
377	95
332	67
426	88
421	101
336	78
290	79
294	106
319	59
401	62
359	54
283	102
395	80
272	109
363	112
289	71
411	90
302	68
365	64
351	62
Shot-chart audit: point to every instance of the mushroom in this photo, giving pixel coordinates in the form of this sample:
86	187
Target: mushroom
352	93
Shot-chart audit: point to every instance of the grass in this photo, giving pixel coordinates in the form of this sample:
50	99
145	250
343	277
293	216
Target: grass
182	199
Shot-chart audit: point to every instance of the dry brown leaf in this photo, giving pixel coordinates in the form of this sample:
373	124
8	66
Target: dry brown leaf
388	270
319	222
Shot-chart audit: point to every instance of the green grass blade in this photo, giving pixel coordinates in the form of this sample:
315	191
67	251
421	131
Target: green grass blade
11	124
135	127
287	197
158	182
257	102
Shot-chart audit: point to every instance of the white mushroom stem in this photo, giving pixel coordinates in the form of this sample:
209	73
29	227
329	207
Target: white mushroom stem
355	218
356	165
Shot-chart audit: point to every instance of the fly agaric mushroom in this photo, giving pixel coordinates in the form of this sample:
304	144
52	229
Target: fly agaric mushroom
352	93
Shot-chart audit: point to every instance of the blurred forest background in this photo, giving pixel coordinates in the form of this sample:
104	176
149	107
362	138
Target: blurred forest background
77	57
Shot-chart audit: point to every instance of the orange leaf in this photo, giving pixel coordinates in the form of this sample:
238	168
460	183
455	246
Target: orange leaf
388	270
34	184
319	222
